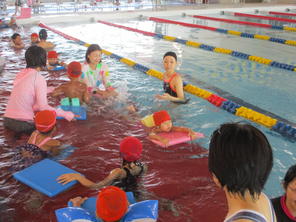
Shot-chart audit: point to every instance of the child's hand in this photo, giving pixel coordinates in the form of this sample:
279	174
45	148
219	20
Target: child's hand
192	135
68	177
78	201
165	141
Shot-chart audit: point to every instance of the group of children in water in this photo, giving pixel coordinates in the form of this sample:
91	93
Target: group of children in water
240	156
88	81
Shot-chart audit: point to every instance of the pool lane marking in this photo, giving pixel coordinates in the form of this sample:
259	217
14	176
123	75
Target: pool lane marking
262	17
233	53
284	129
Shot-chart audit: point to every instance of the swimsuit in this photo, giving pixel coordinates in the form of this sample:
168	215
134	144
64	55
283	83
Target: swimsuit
168	88
30	153
129	183
251	215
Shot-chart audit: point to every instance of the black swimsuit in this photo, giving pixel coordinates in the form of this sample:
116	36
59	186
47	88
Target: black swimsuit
169	90
129	183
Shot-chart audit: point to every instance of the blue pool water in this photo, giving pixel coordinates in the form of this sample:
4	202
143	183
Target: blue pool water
268	88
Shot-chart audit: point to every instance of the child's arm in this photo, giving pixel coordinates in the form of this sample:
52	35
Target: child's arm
58	91
153	135
68	177
114	174
52	146
190	132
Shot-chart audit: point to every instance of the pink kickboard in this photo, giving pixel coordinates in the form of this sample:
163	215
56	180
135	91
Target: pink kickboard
176	138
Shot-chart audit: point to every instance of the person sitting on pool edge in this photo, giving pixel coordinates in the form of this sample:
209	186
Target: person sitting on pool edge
74	88
172	81
240	161
161	122
124	177
285	205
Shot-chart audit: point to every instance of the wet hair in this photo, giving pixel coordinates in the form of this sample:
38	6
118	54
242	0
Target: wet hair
240	157
170	54
15	35
43	34
35	57
90	49
290	176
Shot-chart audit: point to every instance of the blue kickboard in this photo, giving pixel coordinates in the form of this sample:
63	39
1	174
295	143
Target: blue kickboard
77	110
42	176
65	152
58	68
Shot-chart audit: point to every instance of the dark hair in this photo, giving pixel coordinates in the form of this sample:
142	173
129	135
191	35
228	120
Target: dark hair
35	57
15	35
240	156
43	34
290	176
90	49
170	54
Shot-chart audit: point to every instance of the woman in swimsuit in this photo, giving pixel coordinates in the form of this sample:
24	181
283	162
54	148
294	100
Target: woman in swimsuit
172	81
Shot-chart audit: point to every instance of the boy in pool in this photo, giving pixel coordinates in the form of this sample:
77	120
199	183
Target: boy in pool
16	41
43	43
111	205
161	122
124	177
34	39
74	88
53	60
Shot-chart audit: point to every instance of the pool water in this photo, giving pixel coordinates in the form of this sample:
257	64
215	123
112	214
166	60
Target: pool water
177	176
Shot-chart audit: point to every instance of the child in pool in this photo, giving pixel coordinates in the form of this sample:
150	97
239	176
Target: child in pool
16	41
161	122
40	143
124	177
34	39
172	81
111	205
96	74
53	60
74	88
43	43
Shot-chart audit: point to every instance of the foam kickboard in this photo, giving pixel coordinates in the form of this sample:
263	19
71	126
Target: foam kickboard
80	111
175	138
42	176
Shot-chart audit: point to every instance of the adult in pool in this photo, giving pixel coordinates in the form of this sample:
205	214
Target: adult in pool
240	160
172	81
43	43
285	205
29	94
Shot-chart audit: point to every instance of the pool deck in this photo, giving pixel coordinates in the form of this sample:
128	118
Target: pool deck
159	11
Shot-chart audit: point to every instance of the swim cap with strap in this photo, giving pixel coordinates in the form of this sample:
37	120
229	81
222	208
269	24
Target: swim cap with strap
45	120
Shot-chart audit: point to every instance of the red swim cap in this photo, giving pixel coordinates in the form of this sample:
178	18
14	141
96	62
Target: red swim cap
52	55
160	117
34	35
45	120
111	204
131	148
74	69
